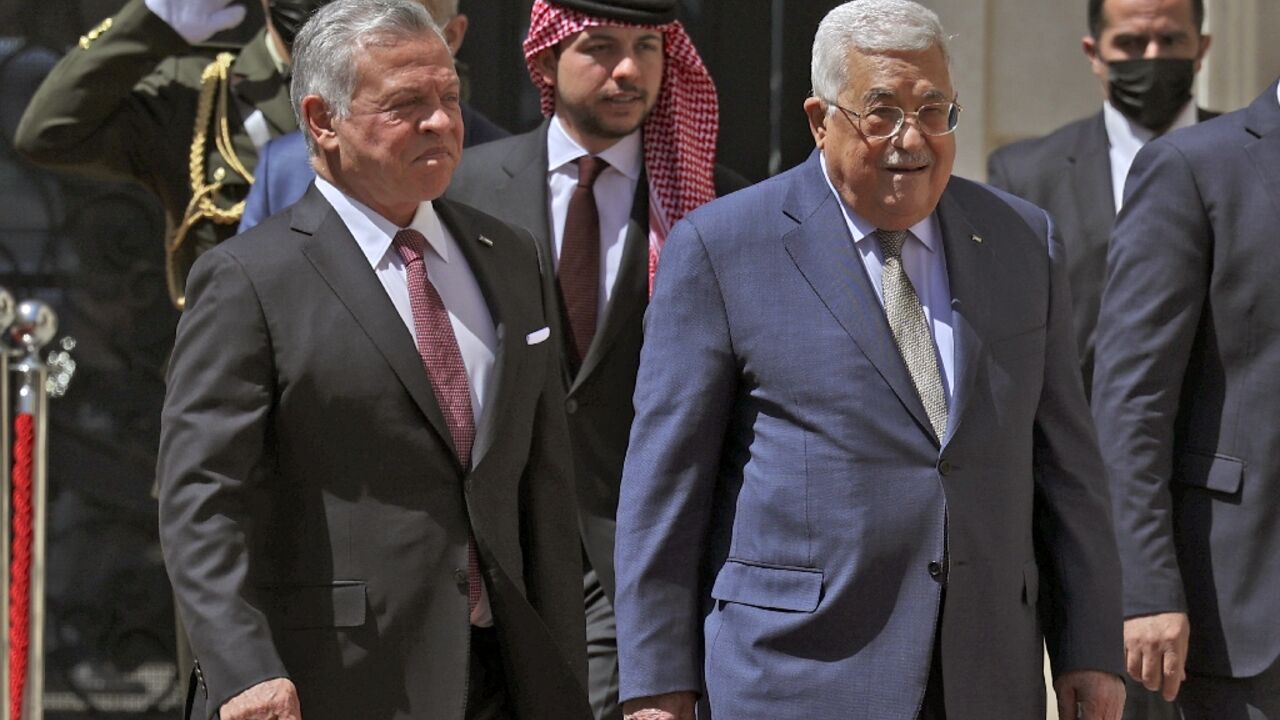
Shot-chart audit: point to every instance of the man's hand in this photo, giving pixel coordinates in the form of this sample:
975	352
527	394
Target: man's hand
270	700
197	20
1155	651
672	706
1099	695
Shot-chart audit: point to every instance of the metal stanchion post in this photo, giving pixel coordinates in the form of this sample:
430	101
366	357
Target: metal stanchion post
33	328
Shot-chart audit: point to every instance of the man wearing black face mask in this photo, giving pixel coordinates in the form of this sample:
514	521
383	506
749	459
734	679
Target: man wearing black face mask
142	97
1145	54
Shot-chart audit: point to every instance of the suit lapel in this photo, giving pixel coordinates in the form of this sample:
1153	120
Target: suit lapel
1090	168
971	279
335	255
1262	120
631	288
824	253
524	192
486	264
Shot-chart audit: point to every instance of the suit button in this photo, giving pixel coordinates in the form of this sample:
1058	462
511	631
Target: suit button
460	577
944	467
571	406
935	569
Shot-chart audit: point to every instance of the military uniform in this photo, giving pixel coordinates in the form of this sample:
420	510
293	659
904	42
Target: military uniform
135	100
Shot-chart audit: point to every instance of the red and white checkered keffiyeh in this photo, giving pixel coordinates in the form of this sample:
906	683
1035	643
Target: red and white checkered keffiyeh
679	134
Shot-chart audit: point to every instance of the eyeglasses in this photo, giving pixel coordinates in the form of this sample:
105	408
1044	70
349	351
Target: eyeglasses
885	121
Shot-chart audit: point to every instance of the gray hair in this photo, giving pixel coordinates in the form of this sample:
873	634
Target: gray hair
869	26
325	50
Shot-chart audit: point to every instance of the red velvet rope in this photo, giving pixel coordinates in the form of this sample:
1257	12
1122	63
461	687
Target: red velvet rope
20	566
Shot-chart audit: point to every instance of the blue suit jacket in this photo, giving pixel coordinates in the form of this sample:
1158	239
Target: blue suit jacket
284	171
1187	392
787	520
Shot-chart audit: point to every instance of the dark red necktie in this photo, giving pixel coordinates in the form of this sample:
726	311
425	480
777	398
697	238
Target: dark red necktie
443	361
579	271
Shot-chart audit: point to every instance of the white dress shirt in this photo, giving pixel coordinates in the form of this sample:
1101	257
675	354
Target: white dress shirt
1127	138
615	189
449	272
925	263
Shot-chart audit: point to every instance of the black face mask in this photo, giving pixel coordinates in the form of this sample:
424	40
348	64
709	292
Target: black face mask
287	16
1151	91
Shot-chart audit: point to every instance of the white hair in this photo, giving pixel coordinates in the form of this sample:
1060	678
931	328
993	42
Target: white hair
325	50
869	26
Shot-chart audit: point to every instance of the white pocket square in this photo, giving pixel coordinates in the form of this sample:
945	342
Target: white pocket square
537	336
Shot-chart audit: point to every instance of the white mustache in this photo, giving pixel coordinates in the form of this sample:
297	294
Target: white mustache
896	157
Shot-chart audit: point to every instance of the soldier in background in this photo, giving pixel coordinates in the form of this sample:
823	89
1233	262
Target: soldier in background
136	98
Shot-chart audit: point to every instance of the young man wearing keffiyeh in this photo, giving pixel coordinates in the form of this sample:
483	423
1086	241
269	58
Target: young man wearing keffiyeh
622	84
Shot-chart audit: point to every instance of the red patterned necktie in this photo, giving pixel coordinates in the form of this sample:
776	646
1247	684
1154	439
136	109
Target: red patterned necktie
579	272
443	361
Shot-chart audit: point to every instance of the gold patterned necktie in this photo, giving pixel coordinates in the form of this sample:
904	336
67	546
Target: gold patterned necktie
911	329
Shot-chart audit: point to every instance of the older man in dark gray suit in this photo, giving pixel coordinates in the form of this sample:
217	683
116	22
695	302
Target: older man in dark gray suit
366	500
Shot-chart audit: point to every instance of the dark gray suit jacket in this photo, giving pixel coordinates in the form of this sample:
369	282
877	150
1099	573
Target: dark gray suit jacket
313	514
788	519
1187	385
1068	173
508	178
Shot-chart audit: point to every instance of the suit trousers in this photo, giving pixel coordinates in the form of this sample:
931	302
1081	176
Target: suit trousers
934	706
602	648
1207	697
1143	704
486	681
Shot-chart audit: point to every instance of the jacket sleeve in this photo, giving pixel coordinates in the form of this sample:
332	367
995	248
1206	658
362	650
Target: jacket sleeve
214	425
685	393
107	101
1157	284
1076	548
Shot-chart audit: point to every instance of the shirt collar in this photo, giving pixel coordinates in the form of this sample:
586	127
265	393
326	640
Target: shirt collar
374	233
926	231
1122	131
626	156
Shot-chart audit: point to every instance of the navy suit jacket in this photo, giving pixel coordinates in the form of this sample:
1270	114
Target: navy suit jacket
788	521
284	171
1187	392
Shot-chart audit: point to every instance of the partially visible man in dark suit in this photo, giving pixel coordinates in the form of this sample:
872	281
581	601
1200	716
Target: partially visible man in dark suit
284	171
862	480
1145	53
1186	398
364	471
630	106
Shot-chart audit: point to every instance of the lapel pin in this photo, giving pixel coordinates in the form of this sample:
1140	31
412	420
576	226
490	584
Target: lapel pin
976	238
486	241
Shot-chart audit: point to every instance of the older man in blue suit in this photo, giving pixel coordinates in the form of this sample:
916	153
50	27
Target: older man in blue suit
863	480
1187	395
